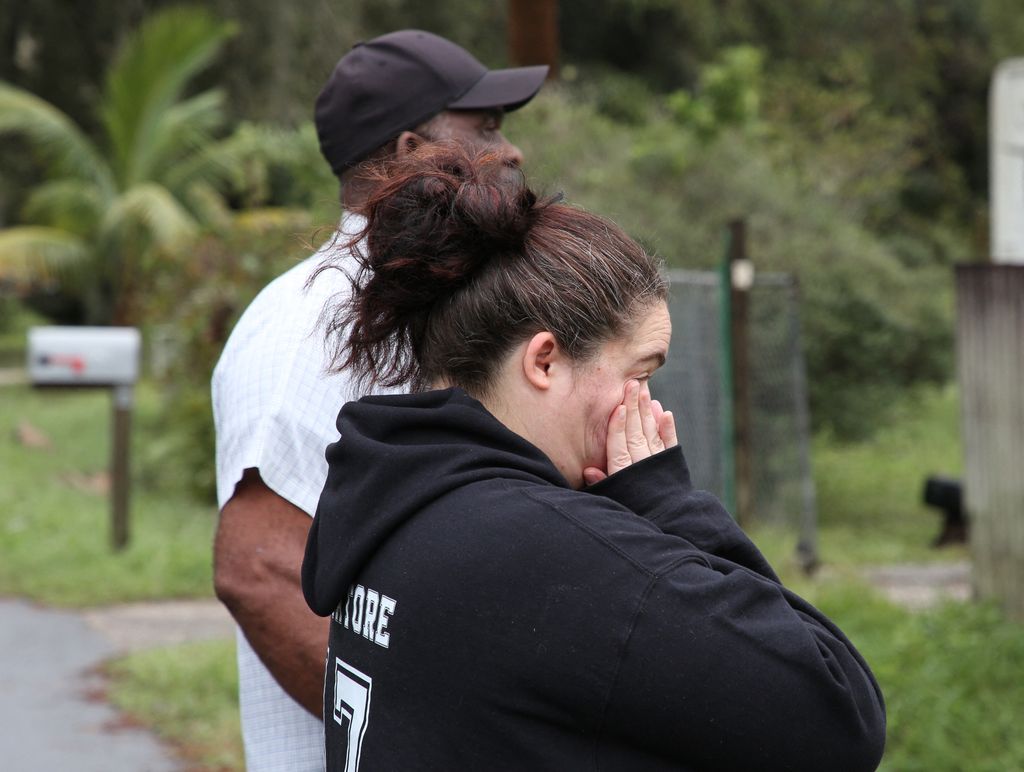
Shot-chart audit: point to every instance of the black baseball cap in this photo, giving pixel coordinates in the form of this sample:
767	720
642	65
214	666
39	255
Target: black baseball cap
397	81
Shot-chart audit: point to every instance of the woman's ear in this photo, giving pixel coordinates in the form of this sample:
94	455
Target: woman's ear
541	360
406	142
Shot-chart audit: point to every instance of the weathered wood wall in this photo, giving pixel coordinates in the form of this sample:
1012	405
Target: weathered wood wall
990	363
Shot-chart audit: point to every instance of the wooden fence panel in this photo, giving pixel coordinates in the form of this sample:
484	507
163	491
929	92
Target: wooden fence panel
990	364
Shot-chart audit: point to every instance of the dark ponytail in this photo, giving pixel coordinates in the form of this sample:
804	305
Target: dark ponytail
459	261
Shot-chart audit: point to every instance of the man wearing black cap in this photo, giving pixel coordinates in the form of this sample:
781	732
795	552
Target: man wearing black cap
274	406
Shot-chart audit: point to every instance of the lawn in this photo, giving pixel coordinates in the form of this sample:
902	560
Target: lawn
189	695
55	521
869	493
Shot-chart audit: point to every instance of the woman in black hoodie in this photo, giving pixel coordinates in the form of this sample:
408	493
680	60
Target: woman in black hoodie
519	573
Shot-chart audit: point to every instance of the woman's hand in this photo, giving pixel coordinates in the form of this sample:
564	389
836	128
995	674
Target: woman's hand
638	428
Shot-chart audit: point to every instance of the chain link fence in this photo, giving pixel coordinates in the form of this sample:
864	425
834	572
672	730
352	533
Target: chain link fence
694	384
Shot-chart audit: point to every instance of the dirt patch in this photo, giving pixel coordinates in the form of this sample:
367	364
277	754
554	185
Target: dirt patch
135	626
922	586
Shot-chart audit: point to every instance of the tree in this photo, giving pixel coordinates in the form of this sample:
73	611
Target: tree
107	211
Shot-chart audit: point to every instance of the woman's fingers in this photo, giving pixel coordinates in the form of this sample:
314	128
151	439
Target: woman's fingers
667	429
637	429
658	410
649	421
618	449
666	426
636	440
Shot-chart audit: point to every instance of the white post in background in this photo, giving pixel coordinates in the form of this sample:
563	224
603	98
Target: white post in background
1006	162
990	361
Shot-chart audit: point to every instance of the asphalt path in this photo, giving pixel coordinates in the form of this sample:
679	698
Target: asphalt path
52	712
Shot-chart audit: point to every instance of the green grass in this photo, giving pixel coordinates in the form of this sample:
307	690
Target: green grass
950	676
870	510
55	537
869	493
189	695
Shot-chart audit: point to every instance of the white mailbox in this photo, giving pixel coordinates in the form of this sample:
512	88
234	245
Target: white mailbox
83	356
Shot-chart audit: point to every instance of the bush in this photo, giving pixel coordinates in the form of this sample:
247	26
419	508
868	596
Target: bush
872	325
949	676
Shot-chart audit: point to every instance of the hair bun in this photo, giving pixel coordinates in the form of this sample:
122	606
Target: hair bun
447	209
434	218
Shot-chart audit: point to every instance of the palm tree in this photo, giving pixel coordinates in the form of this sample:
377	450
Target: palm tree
107	211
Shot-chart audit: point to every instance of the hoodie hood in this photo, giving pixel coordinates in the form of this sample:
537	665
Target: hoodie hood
396	455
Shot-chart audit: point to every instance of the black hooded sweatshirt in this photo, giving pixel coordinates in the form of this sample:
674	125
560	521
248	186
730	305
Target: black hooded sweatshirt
486	616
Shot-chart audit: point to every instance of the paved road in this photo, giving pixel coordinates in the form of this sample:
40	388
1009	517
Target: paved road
50	718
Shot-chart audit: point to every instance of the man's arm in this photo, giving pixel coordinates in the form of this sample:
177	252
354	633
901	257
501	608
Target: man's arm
257	559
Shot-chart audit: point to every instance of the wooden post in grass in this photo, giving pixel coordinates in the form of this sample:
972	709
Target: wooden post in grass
120	487
533	34
990	364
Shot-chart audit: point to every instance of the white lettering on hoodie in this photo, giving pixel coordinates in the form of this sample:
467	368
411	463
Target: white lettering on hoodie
367	612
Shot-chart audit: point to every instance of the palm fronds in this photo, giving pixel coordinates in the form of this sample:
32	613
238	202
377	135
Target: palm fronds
33	255
62	144
148	79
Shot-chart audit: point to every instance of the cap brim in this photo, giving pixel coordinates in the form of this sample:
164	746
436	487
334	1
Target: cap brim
507	89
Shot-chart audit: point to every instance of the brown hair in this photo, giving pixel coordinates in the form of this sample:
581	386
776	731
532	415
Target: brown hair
459	261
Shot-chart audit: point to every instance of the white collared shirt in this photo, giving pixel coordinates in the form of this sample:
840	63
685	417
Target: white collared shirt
275	409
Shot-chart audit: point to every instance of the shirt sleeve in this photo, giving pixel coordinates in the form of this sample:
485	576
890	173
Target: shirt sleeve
275	403
726	666
733	671
659	490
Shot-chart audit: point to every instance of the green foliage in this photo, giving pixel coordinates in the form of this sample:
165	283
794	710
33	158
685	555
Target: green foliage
851	136
60	143
729	94
869	492
872	325
147	123
950	678
1004	19
108	210
189	696
616	95
922	65
33	255
15	320
659	41
277	167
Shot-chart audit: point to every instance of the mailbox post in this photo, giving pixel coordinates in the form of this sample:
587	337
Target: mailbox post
95	357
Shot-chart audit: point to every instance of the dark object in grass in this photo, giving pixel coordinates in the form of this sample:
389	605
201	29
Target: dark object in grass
947	495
